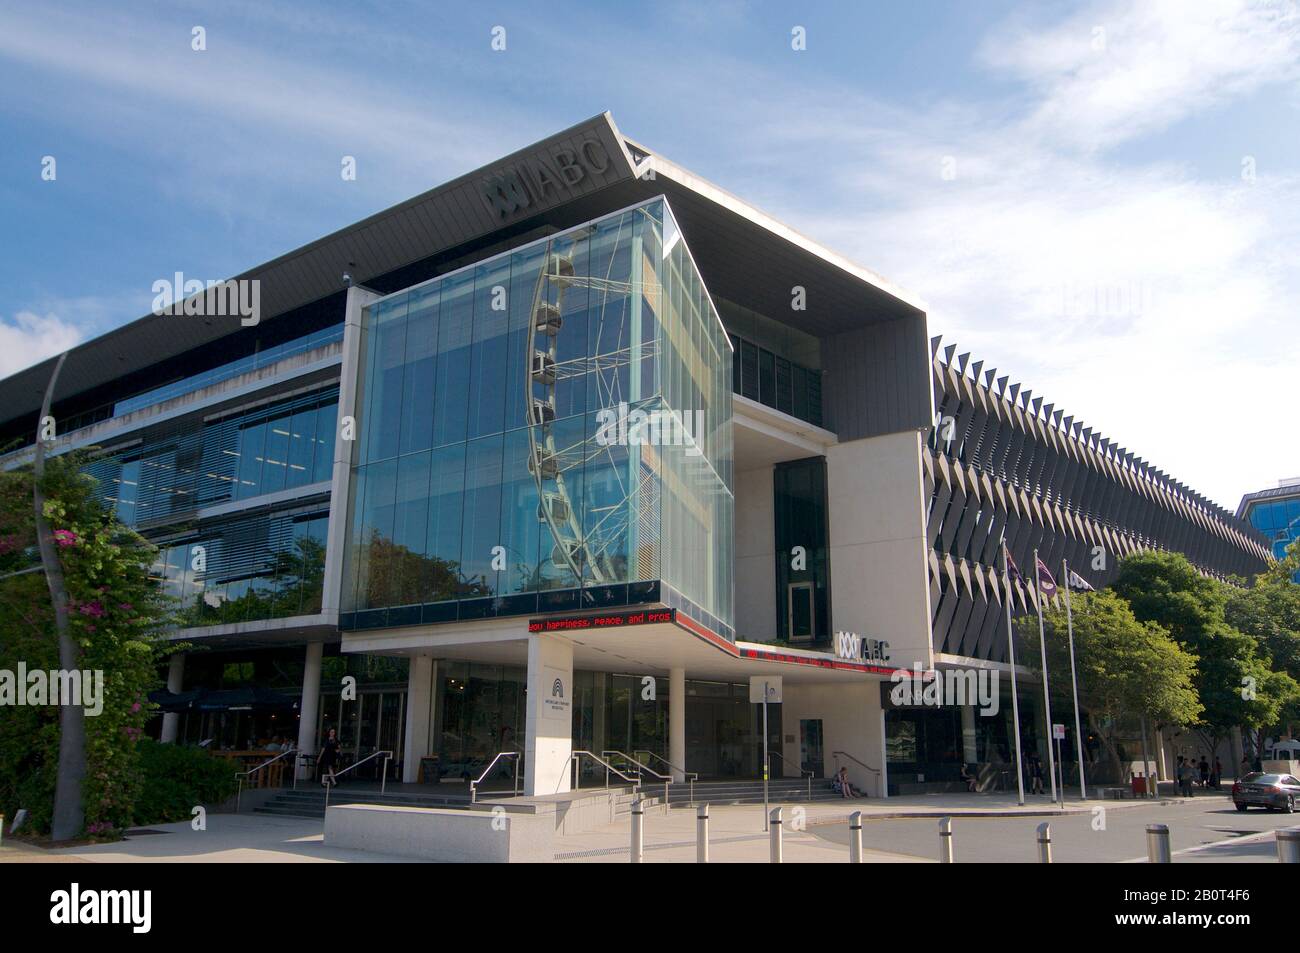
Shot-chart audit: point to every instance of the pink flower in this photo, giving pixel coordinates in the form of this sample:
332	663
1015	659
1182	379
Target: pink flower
91	608
65	537
135	708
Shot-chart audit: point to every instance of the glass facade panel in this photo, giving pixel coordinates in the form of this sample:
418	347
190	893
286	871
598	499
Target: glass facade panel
178	471
577	395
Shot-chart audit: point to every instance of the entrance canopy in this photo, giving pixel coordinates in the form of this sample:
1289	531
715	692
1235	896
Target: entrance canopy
650	639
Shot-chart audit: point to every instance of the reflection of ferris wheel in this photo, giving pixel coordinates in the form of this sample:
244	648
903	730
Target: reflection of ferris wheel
587	540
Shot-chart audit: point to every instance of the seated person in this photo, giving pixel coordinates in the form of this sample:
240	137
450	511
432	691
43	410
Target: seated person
972	782
843	786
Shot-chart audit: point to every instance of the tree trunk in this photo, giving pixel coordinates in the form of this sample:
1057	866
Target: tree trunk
1109	743
69	813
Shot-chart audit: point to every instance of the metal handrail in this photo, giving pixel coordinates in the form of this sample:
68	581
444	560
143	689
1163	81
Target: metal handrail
667	779
241	775
639	765
876	771
803	772
473	784
383	783
690	776
609	768
694	775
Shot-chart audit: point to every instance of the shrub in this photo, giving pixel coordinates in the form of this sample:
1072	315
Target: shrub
176	779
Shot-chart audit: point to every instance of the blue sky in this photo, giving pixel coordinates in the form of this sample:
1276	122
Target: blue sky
1100	199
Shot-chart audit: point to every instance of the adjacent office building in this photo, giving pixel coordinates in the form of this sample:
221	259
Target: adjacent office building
1275	513
558	456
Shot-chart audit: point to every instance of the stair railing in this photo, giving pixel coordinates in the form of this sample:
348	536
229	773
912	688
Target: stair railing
240	776
665	778
383	783
691	776
574	758
861	764
473	784
803	772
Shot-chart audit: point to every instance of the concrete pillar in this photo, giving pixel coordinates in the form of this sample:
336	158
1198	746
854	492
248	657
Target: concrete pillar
677	722
175	678
336	532
969	749
309	709
419	696
548	741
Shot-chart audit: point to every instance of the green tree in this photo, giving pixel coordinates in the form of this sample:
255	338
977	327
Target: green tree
1125	667
116	617
1236	681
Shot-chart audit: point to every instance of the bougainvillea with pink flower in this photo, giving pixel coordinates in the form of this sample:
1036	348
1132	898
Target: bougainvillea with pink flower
118	616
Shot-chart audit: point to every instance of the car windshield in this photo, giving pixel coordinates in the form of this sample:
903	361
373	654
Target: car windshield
1263	778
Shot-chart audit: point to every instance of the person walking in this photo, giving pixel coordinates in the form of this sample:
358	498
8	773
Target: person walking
1035	774
329	757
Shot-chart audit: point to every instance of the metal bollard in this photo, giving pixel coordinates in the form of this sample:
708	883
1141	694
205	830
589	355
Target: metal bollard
774	835
855	837
1157	844
638	831
1288	846
702	834
945	840
1044	843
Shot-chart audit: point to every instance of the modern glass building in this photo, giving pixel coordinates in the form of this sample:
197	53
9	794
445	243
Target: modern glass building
557	458
545	431
1275	513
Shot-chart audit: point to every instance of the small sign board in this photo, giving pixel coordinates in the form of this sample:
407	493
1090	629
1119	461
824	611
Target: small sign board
765	688
1058	732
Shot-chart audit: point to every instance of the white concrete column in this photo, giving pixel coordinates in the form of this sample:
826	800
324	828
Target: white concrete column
969	749
175	678
419	696
310	705
677	722
548	743
336	532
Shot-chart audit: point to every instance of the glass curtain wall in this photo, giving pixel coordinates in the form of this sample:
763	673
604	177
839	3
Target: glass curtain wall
543	431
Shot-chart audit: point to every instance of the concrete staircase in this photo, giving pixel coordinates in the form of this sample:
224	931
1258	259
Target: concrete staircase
310	802
746	791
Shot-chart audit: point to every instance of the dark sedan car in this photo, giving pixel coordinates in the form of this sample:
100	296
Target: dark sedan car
1277	792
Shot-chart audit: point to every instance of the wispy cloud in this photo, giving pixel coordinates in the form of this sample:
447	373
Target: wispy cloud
30	338
1114	71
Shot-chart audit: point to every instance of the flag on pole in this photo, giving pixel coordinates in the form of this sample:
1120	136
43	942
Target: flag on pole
1046	584
1078	583
1012	569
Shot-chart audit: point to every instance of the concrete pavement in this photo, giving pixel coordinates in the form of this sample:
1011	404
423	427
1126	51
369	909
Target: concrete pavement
897	830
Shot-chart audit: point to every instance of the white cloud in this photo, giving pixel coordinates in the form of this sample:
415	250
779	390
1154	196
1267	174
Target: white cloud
1154	303
30	338
1118	70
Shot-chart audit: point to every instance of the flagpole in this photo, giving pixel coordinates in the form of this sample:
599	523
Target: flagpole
1047	702
1011	656
1074	679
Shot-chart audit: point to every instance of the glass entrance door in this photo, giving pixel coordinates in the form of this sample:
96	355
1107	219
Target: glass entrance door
811	754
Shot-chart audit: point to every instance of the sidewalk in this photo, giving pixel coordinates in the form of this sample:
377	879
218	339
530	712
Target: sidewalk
735	834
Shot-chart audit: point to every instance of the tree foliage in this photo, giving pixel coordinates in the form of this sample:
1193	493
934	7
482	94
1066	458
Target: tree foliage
117	617
1125	667
1237	682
